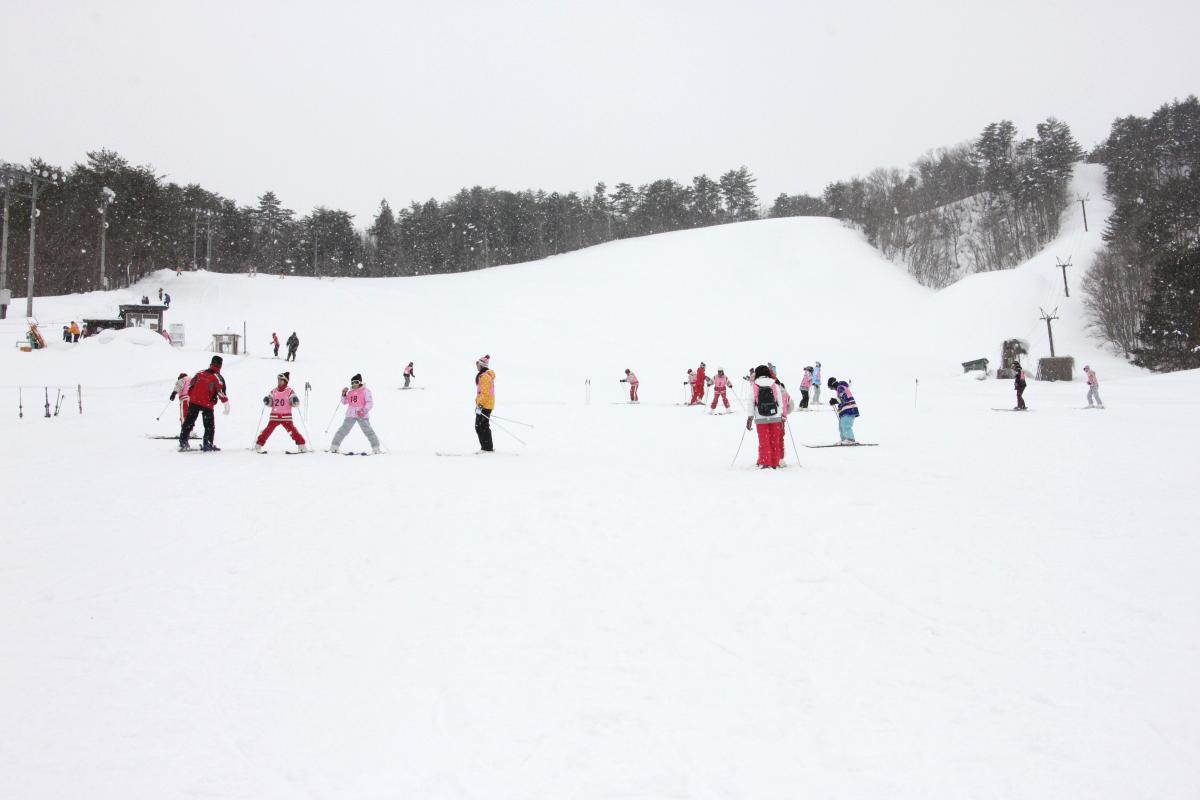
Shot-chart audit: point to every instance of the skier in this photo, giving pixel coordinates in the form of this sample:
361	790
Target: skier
691	383
358	402
293	344
281	400
720	386
485	402
699	384
816	383
1093	387
408	374
1019	384
806	384
205	389
160	294
632	380
847	408
66	334
180	391
766	412
167	300
275	343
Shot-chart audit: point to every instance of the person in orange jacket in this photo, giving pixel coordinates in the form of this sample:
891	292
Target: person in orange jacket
485	402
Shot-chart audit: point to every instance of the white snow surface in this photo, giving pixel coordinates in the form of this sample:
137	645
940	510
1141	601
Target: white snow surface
988	605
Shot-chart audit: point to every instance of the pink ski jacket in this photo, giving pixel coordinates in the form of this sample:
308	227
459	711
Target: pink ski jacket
632	379
720	383
1092	379
358	403
281	402
806	383
766	383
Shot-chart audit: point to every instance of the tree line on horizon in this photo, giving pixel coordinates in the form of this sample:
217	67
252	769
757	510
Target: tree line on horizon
986	204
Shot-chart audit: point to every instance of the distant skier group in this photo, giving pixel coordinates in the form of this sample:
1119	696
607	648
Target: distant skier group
199	395
293	344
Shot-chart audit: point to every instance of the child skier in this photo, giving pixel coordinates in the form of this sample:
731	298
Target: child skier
408	374
632	380
766	399
275	343
204	390
699	385
1093	387
816	383
358	402
180	391
1019	384
806	384
847	408
281	400
485	402
691	384
720	386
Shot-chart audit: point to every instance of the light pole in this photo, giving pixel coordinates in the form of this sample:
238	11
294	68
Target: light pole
207	214
10	176
107	196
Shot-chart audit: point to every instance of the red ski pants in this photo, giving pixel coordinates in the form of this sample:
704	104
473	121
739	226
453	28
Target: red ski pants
770	443
286	424
698	392
633	392
719	394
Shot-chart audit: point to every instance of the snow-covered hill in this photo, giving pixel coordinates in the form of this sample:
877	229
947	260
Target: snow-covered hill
988	604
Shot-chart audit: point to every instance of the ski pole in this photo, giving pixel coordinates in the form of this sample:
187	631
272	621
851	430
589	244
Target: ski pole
916	386
334	414
20	404
79	395
787	424
46	389
164	410
739	450
307	389
513	421
57	402
258	425
510	433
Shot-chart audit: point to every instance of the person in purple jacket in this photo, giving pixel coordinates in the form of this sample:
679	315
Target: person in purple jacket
847	408
358	402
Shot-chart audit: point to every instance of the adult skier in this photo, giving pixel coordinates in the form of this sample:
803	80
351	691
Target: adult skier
180	391
699	384
358	402
816	383
632	380
408	374
847	408
805	385
275	343
720	386
1093	387
766	407
293	344
204	390
281	400
485	402
1019	384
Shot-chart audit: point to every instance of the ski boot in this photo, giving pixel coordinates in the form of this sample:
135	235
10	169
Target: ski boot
303	449
209	447
334	449
258	448
376	451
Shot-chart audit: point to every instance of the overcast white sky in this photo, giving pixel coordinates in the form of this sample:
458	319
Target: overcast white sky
344	103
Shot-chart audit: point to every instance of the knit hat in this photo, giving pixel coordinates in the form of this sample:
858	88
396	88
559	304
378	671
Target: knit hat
808	369
832	382
286	377
762	371
484	362
183	374
627	370
356	378
216	361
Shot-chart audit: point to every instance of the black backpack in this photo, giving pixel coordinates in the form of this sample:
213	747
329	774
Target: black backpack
767	405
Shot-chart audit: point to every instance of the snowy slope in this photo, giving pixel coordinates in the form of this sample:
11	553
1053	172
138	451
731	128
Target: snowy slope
987	605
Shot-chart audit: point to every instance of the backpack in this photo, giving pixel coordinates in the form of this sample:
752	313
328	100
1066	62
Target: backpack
766	404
